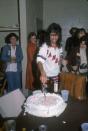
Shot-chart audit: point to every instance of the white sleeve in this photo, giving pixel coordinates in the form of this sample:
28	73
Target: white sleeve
42	55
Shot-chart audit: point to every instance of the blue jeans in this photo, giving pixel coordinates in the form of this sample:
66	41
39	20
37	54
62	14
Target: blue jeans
13	80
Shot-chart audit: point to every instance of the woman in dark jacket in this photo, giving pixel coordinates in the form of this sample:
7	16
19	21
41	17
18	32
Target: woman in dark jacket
79	56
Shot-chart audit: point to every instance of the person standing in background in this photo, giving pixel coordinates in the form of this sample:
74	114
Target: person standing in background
32	81
12	56
70	42
82	56
71	57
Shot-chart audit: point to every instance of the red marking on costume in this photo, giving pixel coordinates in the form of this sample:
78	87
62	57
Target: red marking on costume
50	55
56	61
54	57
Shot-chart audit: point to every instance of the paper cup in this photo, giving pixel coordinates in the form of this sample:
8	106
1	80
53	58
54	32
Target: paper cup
84	126
65	94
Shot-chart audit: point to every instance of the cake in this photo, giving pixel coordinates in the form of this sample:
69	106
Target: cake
47	105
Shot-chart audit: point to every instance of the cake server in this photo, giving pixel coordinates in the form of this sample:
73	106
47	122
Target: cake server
43	90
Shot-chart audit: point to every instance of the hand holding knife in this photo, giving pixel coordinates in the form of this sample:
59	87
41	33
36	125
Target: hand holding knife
43	89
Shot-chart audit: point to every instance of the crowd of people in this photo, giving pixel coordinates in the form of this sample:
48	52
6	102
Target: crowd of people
45	60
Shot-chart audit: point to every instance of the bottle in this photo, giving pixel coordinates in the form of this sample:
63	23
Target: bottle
56	87
12	125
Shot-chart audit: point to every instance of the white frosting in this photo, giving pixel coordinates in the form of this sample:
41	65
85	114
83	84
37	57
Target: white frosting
51	105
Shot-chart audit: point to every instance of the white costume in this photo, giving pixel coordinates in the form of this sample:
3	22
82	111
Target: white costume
50	58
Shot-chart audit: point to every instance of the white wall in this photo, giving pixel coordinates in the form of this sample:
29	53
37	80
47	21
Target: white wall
34	10
67	13
8	17
8	12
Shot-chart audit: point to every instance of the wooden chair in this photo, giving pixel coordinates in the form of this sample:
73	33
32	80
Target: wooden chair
76	84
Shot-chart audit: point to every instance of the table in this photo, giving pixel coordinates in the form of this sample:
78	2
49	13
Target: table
75	113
